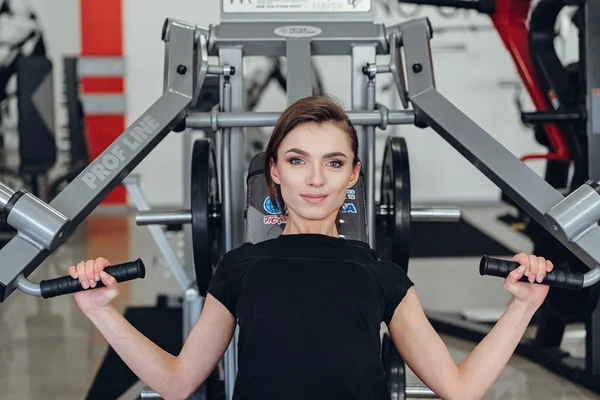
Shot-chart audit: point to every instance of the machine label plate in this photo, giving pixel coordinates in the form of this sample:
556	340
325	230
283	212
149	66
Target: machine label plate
295	6
297	31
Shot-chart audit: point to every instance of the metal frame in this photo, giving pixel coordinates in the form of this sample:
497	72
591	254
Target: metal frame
573	220
592	61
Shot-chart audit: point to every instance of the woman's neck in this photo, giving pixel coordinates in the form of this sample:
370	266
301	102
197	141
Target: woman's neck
323	227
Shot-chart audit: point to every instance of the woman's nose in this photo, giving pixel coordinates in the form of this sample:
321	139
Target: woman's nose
316	176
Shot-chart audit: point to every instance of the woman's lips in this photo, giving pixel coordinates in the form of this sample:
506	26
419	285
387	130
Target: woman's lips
314	198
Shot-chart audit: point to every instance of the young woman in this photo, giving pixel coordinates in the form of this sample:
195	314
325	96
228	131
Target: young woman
310	304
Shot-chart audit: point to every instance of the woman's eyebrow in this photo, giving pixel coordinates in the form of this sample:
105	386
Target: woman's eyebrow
334	154
328	155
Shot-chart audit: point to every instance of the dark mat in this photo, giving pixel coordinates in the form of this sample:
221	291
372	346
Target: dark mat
453	239
162	325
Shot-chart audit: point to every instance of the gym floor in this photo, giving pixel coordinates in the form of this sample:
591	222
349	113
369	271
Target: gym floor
49	350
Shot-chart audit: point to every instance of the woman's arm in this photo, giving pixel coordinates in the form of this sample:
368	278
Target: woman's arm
428	357
171	377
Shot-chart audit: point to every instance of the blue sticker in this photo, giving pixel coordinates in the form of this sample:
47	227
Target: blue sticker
268	206
349	208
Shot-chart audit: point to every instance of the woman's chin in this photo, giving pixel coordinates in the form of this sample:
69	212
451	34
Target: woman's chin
313	215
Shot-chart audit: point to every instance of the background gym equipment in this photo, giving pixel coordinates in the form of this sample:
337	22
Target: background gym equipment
562	122
573	220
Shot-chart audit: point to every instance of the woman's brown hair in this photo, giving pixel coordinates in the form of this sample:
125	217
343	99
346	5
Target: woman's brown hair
318	109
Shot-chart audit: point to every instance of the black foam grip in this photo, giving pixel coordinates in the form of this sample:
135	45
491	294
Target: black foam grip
556	278
66	284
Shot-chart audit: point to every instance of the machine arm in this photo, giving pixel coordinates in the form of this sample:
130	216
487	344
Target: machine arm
42	227
573	220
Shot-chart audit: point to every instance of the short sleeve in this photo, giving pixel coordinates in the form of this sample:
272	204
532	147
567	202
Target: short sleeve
224	283
395	283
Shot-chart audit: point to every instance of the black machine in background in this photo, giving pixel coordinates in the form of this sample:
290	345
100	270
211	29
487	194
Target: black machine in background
27	95
36	131
26	92
26	76
565	122
38	148
76	139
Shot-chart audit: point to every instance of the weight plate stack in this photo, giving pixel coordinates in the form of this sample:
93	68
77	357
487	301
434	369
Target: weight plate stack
205	204
393	225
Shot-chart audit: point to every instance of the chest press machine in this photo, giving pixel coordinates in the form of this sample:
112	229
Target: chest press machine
296	30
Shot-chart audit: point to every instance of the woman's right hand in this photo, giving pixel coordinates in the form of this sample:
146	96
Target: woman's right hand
89	273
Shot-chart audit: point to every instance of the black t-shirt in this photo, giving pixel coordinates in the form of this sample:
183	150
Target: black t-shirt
309	309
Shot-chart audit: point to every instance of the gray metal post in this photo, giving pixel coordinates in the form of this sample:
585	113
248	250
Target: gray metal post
226	164
233	56
361	56
299	71
232	178
370	139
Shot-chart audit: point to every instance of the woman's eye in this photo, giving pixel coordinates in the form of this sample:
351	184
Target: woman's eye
295	161
336	164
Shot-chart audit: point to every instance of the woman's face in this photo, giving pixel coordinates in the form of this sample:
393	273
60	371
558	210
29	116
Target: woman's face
314	170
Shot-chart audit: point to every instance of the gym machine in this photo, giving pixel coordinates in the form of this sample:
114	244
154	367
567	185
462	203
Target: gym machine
563	122
298	35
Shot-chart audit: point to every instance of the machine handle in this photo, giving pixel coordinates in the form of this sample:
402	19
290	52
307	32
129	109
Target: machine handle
556	278
66	284
542	117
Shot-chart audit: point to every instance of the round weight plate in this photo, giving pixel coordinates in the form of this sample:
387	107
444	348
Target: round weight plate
394	368
392	240
204	202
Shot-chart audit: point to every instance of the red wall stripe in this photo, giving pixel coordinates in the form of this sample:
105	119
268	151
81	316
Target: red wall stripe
101	28
102	35
102	85
101	127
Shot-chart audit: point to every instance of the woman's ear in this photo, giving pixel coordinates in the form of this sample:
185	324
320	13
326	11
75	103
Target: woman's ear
355	175
273	172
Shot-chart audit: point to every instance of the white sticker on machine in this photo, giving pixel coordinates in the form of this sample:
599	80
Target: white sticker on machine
295	6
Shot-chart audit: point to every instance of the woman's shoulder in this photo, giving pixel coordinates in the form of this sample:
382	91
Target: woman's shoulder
245	251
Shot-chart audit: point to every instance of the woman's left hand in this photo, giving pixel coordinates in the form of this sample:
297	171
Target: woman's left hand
535	268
